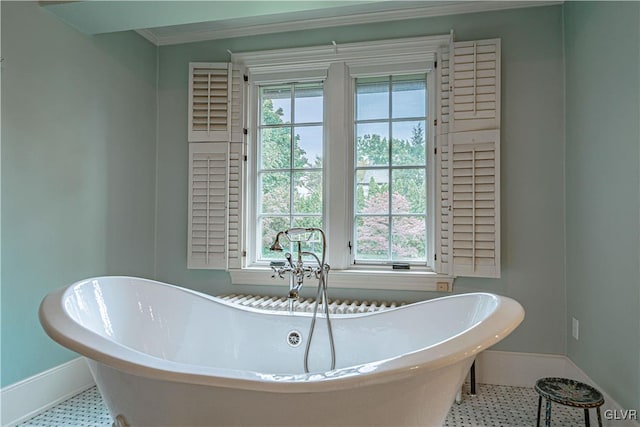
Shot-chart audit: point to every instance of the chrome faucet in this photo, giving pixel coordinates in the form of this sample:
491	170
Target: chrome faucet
297	270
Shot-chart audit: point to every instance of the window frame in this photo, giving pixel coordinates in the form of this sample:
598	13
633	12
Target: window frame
341	66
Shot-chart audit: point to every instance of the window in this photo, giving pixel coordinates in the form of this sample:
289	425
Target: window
397	159
389	222
290	150
390	218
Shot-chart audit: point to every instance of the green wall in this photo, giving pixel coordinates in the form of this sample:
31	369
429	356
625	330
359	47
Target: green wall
532	160
602	44
78	169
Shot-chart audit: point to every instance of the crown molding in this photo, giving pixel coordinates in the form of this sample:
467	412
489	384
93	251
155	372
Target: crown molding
149	35
451	8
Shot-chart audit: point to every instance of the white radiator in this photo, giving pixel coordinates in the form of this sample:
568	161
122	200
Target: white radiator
336	306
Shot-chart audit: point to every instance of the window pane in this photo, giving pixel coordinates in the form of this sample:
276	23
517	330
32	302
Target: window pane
408	148
308	147
275	148
372	99
372	238
274	192
408	238
372	144
307	222
276	105
314	244
269	227
372	191
409	97
409	191
307	192
308	103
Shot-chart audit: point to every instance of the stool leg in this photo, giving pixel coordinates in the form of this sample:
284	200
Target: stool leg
599	417
539	407
547	414
587	422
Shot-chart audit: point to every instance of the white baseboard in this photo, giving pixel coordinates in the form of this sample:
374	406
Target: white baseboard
29	397
518	369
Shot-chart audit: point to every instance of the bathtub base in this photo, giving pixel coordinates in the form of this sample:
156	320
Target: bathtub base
120	422
420	400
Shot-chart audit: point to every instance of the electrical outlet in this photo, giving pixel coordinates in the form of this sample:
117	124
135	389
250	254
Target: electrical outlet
575	328
442	286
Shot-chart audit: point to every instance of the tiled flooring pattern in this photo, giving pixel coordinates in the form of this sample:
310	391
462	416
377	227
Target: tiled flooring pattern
502	406
83	410
493	406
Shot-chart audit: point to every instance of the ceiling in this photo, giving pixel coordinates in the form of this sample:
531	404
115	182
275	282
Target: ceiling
173	22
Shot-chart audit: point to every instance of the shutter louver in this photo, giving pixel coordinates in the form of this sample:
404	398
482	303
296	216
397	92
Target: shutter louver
469	167
210	93
208	206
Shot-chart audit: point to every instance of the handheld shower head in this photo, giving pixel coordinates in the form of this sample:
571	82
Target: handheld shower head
296	231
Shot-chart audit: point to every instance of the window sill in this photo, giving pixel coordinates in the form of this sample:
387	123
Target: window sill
357	279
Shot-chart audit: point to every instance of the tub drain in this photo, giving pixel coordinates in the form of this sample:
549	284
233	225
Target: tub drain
294	338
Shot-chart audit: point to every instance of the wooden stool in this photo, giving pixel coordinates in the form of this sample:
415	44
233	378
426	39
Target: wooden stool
570	393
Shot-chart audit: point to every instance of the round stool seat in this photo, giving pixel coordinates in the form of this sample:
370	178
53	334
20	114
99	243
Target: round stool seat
569	393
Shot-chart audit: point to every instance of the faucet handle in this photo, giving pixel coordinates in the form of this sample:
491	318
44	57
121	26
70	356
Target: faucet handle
277	267
319	270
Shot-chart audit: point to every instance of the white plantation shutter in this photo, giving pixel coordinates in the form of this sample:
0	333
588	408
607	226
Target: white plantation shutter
468	159
215	182
234	244
475	199
442	261
210	95
236	164
237	117
208	205
475	86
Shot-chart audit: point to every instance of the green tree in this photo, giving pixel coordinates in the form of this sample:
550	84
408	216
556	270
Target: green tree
372	150
411	151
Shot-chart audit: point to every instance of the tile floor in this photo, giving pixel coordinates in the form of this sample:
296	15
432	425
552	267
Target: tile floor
498	406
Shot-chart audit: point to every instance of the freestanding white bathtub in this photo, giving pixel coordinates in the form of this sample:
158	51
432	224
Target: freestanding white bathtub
164	355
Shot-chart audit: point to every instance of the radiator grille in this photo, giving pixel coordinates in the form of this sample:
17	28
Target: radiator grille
336	306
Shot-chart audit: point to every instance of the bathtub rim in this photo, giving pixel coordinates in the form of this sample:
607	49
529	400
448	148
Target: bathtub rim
63	329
